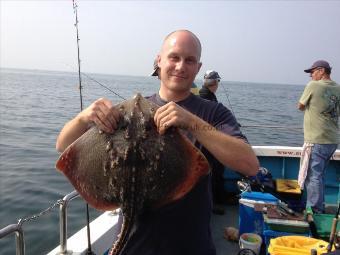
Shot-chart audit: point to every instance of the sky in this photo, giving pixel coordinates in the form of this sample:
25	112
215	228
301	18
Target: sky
252	41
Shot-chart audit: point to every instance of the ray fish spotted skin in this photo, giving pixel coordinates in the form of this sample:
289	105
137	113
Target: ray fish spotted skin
135	168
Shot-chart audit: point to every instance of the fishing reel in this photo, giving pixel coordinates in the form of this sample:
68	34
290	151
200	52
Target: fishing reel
262	181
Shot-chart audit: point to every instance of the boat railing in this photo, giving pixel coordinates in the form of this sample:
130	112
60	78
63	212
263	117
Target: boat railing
63	221
19	236
19	233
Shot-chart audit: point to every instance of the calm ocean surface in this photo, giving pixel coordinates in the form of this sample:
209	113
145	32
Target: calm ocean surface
34	106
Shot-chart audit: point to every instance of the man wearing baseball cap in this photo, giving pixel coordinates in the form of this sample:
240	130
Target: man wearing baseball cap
320	102
208	90
210	85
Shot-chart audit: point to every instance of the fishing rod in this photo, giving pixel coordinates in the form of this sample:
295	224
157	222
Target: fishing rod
333	231
226	94
79	74
257	126
271	126
92	79
96	81
75	6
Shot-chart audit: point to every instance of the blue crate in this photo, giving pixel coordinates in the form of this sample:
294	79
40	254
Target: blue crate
251	221
259	196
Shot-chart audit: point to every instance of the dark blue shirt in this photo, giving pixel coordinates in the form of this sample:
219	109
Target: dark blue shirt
183	227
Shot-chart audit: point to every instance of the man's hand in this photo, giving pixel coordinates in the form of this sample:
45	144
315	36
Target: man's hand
172	115
102	113
301	107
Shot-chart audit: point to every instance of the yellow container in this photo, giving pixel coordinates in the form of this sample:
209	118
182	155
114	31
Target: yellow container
288	186
296	245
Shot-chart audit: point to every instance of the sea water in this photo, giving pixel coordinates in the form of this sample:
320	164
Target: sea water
34	106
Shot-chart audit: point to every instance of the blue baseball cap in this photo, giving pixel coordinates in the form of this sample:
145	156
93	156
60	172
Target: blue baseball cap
319	63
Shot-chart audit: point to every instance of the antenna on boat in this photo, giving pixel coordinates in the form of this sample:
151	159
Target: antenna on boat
75	6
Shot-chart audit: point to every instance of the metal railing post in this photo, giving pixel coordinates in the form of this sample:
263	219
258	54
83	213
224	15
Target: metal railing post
19	236
19	239
19	233
63	221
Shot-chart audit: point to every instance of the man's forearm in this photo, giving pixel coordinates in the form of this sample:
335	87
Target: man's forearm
71	132
230	151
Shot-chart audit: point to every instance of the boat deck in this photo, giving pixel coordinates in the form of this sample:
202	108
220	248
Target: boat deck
218	223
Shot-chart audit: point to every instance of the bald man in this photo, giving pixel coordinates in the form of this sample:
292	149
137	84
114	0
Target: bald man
182	227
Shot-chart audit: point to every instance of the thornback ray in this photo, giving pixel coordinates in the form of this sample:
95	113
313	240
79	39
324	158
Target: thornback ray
135	168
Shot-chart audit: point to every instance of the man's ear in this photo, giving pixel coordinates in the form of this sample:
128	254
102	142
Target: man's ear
199	67
158	59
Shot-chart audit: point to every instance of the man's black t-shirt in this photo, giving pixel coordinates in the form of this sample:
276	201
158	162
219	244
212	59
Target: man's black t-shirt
183	227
